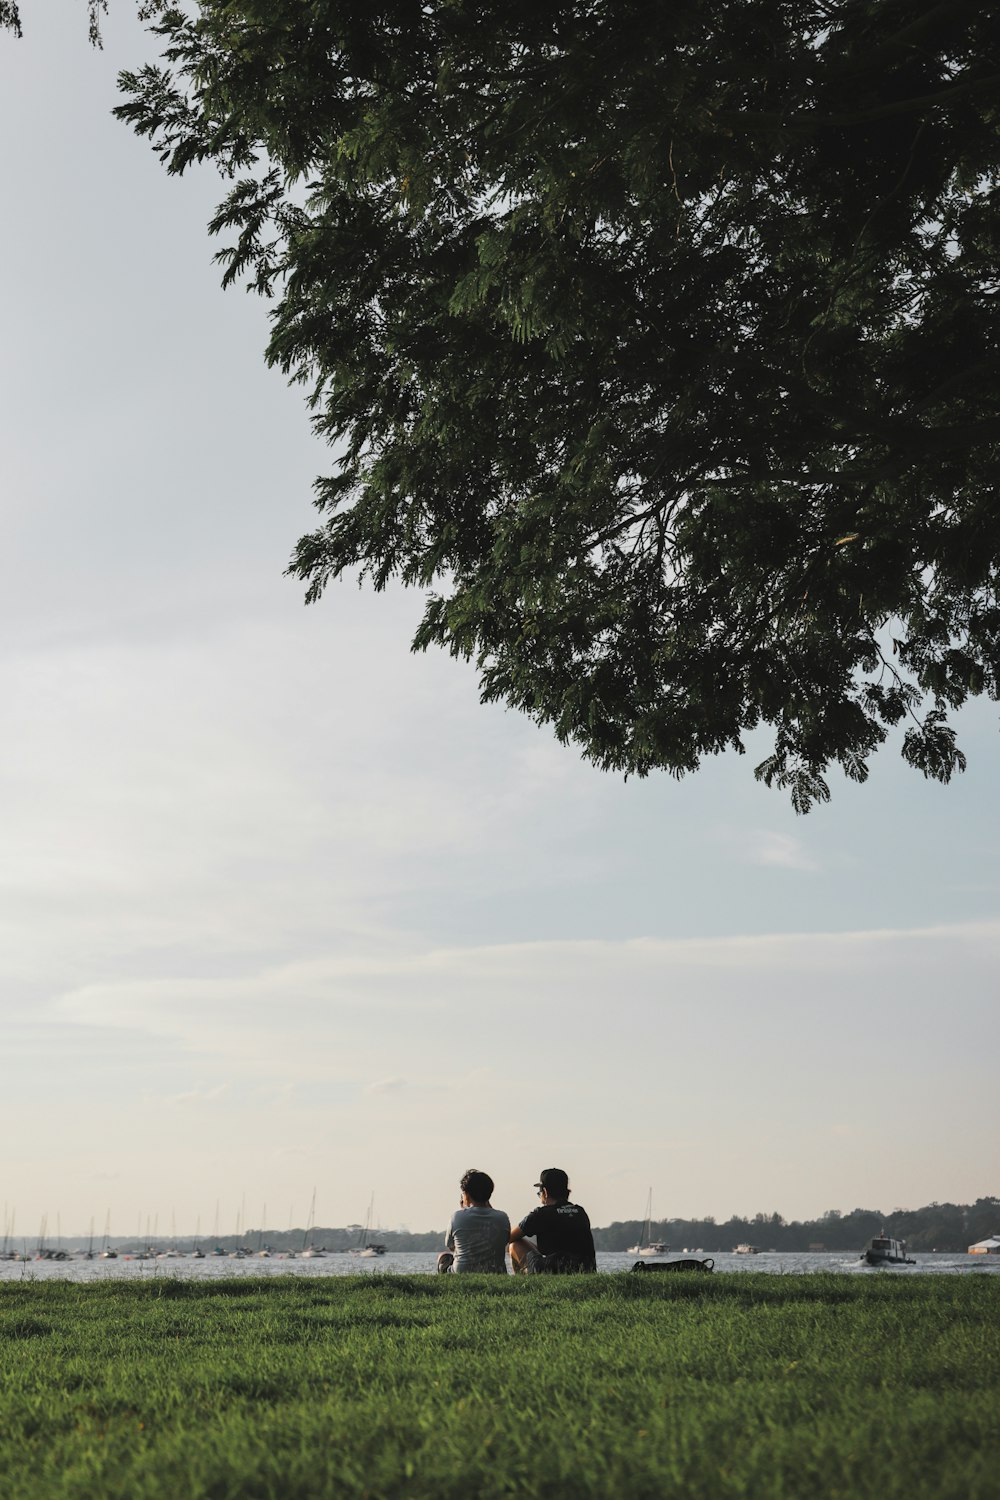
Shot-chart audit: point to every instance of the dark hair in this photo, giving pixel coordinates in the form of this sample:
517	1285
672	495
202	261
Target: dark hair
554	1179
478	1186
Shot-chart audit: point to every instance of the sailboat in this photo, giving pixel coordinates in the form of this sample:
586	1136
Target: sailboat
310	1251
647	1245
172	1253
107	1253
368	1247
49	1252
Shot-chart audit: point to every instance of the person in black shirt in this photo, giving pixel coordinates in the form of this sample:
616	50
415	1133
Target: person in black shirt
562	1240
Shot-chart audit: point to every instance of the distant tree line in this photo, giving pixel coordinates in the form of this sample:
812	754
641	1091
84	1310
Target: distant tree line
938	1226
348	1237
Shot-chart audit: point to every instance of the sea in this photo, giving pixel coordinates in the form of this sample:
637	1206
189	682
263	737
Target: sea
213	1267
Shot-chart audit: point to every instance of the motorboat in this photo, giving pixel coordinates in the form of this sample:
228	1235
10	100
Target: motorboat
885	1251
745	1249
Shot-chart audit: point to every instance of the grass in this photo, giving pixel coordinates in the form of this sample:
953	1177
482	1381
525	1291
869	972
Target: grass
615	1385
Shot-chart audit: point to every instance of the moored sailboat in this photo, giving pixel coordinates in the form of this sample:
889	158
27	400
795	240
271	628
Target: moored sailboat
647	1245
310	1251
106	1252
368	1247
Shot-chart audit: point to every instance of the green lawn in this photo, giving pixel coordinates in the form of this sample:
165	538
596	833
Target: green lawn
610	1385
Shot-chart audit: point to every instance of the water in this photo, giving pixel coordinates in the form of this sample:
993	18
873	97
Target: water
185	1268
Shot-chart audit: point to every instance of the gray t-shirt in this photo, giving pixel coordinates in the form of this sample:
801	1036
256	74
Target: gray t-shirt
479	1238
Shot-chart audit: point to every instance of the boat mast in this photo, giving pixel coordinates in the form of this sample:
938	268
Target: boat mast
309	1224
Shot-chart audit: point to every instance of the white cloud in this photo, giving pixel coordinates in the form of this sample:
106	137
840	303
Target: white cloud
714	1065
815	1020
780	850
200	1096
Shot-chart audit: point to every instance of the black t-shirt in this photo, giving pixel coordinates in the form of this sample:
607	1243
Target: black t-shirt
562	1229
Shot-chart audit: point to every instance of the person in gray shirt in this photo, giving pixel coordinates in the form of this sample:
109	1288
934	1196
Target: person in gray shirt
478	1233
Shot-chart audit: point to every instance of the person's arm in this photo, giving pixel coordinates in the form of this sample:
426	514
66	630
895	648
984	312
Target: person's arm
522	1230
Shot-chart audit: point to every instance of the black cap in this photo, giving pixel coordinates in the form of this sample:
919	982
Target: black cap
555	1181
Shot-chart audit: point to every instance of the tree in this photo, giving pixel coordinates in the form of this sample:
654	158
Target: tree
657	343
10	18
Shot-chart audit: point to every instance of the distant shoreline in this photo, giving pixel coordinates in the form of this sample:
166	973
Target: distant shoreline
947	1228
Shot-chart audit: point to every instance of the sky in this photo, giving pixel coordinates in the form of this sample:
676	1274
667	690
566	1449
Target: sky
283	908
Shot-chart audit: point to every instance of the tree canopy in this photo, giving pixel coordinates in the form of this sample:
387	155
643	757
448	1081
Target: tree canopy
657	343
